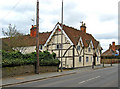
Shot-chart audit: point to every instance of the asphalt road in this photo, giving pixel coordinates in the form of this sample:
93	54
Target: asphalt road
105	77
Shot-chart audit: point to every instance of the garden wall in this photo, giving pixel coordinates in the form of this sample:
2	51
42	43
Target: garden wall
26	69
108	61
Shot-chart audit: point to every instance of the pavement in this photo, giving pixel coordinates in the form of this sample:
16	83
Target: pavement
35	77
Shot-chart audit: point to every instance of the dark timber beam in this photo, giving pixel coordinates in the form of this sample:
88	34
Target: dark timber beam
66	51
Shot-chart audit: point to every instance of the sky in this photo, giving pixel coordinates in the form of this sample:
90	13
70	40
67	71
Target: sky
100	16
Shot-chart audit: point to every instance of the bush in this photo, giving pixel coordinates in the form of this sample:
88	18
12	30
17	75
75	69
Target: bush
17	59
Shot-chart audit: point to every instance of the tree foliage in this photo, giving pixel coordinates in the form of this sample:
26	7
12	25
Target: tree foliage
11	31
14	38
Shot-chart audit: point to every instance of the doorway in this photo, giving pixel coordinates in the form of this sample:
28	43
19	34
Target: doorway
94	60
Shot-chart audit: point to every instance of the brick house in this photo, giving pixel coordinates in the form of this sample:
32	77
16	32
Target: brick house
114	50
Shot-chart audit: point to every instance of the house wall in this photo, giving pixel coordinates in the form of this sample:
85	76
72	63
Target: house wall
67	51
67	60
84	53
27	50
98	58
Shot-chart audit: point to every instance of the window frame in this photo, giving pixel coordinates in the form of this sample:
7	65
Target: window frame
89	49
40	47
80	58
78	47
87	59
91	59
97	58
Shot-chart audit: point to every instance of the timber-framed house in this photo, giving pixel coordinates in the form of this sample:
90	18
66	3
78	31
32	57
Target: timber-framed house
79	48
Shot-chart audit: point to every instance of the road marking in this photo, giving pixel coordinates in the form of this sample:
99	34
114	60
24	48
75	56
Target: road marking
89	80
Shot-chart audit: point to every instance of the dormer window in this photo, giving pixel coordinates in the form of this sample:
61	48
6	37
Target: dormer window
89	50
78	47
97	50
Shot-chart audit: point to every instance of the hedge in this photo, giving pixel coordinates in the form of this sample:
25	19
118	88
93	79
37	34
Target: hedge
10	59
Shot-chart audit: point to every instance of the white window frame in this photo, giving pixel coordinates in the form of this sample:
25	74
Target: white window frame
97	58
89	49
59	46
91	59
87	59
79	47
40	47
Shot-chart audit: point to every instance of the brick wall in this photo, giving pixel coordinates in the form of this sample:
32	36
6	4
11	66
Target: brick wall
26	69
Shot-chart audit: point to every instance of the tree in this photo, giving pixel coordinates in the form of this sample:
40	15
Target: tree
14	39
11	31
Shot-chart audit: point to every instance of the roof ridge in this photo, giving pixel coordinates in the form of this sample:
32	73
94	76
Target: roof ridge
69	26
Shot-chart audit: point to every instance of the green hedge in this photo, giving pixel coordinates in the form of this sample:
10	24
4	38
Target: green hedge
10	59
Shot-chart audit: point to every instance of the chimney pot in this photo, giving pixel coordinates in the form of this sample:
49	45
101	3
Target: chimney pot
113	43
113	46
83	27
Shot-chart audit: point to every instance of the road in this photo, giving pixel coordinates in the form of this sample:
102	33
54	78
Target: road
105	77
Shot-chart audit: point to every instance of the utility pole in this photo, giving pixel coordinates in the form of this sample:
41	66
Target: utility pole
61	36
37	38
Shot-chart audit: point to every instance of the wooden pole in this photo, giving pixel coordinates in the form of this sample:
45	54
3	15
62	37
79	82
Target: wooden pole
73	57
37	39
61	37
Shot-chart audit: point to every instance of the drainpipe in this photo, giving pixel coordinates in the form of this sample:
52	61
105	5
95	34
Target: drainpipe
93	58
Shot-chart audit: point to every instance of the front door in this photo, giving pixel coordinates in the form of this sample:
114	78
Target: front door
94	60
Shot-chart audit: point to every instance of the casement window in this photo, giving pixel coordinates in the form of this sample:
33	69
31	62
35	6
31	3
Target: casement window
97	50
97	58
78	47
40	47
91	59
80	59
89	50
87	59
59	46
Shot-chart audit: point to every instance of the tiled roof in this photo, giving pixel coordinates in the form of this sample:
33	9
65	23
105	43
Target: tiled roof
117	47
26	40
75	35
71	32
109	52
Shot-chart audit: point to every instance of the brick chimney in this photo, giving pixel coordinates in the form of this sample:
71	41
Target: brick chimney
83	27
113	46
33	31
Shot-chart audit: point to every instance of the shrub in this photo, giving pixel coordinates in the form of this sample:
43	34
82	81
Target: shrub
17	59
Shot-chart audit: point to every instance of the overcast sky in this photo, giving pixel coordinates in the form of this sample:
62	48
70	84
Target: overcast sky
100	16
